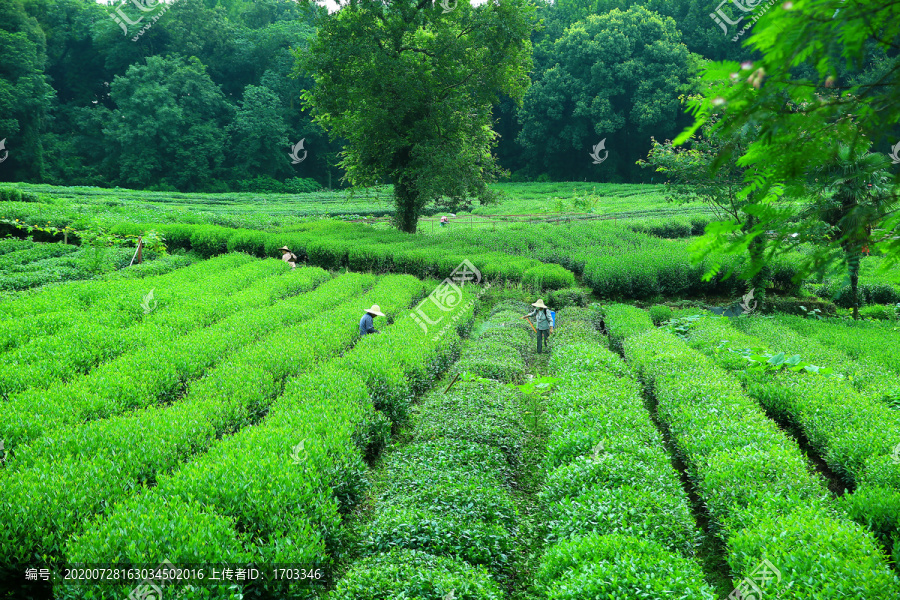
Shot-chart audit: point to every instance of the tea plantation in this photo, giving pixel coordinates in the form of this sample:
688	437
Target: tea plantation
213	410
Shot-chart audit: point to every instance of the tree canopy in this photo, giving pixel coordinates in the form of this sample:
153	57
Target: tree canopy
410	87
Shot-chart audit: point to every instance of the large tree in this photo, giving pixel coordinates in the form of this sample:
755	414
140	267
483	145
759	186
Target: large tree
25	94
615	76
410	86
168	127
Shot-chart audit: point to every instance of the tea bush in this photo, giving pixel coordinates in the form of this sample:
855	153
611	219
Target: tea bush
659	314
159	371
611	495
624	321
139	447
608	566
416	574
753	479
86	343
570	296
550	277
445	492
854	434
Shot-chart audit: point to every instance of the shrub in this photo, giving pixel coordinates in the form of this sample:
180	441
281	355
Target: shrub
415	574
551	277
571	296
882	313
608	475
210	240
624	321
440	533
476	412
660	314
753	478
610	567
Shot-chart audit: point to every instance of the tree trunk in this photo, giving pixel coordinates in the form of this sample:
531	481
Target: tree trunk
853	259
406	203
759	281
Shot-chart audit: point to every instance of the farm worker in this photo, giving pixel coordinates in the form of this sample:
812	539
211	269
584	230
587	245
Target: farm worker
543	322
288	257
367	323
444	221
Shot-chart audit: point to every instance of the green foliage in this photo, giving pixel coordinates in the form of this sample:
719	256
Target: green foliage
761	361
284	482
817	72
609	485
552	277
660	314
607	566
412	573
752	477
570	296
571	107
624	321
435	77
853	430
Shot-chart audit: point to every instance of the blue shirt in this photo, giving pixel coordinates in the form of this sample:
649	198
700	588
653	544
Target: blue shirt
366	325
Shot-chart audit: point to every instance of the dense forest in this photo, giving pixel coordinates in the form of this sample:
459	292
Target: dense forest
206	95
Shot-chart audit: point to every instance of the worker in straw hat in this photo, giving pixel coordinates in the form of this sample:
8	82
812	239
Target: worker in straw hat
367	323
543	322
288	256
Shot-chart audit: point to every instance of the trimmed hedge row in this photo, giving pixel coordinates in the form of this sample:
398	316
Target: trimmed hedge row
20	258
417	575
623	321
335	245
113	302
862	341
840	293
504	346
39	509
160	370
619	522
855	435
761	498
444	496
864	373
279	487
191	301
14	245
